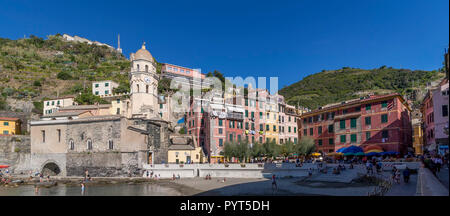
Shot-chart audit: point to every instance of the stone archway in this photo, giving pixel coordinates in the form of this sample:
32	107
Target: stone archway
51	168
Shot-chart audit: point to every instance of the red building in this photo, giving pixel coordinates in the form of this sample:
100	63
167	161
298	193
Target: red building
382	120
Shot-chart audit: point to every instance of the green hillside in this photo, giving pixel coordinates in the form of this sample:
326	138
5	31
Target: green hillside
347	83
32	69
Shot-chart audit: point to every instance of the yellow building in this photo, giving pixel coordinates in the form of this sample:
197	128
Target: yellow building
184	149
9	126
418	139
185	153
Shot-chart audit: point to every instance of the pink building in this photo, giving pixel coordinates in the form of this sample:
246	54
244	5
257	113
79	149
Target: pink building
428	122
440	114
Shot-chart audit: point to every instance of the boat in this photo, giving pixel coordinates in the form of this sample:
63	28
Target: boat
4	166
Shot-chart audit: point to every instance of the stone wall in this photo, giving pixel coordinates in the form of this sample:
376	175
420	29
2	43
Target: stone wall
104	164
15	152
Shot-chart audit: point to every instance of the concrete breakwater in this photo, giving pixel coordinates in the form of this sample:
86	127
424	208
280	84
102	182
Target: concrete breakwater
254	170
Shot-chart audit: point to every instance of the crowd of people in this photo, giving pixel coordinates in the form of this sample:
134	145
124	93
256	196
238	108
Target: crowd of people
435	162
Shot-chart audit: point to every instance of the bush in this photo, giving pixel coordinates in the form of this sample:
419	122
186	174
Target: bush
36	83
64	75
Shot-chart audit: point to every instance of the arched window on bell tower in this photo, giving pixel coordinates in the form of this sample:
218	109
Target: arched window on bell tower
146	68
137	87
137	67
146	89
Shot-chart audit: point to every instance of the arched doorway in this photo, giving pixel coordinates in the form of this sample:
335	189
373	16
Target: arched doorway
51	169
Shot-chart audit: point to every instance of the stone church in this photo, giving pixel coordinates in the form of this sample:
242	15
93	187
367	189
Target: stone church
88	137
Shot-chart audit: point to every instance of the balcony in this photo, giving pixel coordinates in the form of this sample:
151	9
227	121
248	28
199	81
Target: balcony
237	116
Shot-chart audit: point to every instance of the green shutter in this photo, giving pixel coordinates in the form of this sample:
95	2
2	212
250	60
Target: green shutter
353	123
330	128
384	104
384	118
368	106
353	138
246	113
320	142
331	141
367	136
342	124
343	139
368	120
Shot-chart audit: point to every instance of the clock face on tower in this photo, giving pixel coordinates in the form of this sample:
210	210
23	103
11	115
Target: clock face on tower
147	80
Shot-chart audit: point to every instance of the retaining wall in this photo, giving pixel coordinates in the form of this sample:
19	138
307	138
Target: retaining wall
248	171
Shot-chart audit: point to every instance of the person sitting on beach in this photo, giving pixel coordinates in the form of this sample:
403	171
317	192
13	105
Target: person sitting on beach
178	177
310	172
173	176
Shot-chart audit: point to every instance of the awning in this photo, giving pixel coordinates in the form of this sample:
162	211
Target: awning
235	109
443	147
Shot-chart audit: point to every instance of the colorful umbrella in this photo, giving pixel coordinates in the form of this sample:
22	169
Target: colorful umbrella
340	150
360	154
349	154
373	150
315	154
372	154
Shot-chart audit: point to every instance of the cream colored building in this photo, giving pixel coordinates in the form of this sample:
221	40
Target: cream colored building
103	88
53	105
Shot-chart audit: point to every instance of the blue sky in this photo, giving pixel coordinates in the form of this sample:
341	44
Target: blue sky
288	39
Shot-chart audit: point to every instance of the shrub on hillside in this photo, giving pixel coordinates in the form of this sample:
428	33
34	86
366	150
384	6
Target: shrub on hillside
64	75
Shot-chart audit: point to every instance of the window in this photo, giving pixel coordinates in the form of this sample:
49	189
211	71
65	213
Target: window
59	134
220	122
260	139
319	131
261	127
384	118
352	138
367	136
96	92
118	111
246	126
118	101
444	110
193	123
43	135
48	103
246	102
368	106
220	142
383	104
357	109
311	131
253	114
231	137
274	128
253	126
146	68
5	132
295	129
330	128
295	140
146	88
260	115
320	142
160	106
305	132
110	144
96	85
267	128
71	145
202	122
220	131
6	123
289	129
229	124
385	134
289	119
106	84
368	120
353	123
89	144
331	141
342	124
345	111
343	137
246	113
53	103
106	91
